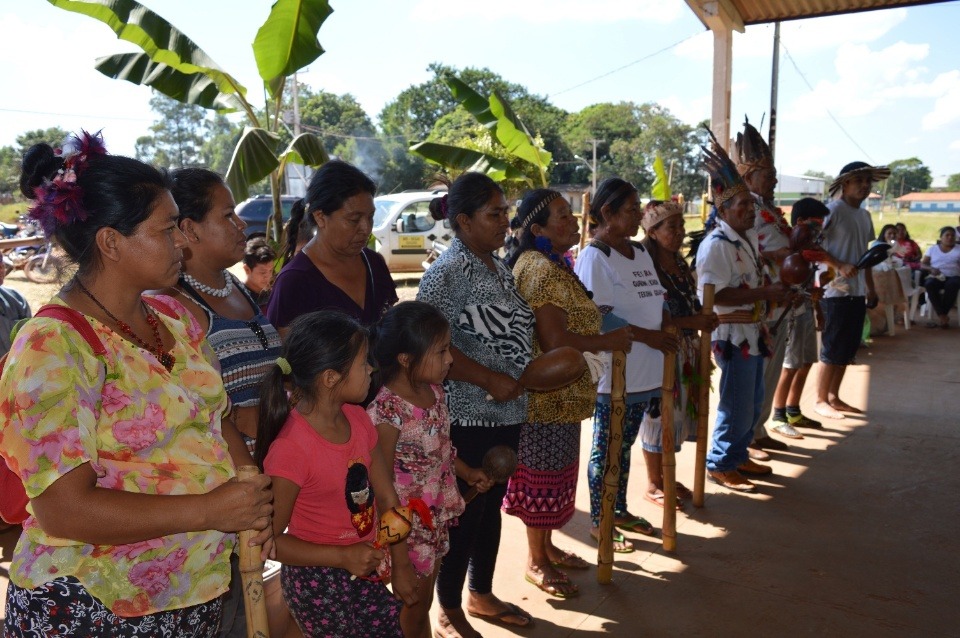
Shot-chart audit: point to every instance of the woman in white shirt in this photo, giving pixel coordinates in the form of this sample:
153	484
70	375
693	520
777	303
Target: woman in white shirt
942	262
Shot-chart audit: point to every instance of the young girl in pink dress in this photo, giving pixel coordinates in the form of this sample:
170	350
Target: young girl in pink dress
329	483
412	347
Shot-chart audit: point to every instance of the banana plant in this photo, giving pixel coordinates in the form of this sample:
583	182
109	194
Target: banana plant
174	65
505	128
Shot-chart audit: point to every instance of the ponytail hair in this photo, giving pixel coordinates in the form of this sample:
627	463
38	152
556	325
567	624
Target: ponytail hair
411	328
317	342
298	226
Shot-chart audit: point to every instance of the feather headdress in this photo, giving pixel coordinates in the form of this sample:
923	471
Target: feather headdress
753	152
725	180
60	199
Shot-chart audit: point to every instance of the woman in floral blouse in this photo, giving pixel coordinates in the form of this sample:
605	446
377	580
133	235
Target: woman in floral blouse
121	452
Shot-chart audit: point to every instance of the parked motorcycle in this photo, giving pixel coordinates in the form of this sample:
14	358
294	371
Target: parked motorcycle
46	267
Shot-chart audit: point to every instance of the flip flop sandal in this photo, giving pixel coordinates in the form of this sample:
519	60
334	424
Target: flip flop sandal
637	524
549	586
657	499
683	492
626	547
569	560
512	611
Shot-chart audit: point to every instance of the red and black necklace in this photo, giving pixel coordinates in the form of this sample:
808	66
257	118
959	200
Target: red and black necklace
165	358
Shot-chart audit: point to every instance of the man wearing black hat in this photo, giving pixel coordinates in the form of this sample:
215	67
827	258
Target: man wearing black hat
847	232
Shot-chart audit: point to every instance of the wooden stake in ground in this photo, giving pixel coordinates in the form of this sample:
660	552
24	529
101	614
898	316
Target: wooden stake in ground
251	574
611	467
669	460
703	402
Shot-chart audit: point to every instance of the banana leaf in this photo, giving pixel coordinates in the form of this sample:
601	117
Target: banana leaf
516	139
254	158
465	159
287	41
195	88
306	149
164	43
477	105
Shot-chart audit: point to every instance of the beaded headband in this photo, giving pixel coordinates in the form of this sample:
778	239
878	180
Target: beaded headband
527	219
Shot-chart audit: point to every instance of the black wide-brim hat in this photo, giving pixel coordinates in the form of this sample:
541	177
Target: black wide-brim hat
877	173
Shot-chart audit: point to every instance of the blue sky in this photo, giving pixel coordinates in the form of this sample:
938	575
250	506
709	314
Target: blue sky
890	78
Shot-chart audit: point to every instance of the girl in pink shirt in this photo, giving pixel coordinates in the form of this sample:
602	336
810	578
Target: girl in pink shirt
412	347
330	480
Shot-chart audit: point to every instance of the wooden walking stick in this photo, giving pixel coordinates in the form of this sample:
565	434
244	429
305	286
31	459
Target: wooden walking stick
669	460
703	402
251	574
611	467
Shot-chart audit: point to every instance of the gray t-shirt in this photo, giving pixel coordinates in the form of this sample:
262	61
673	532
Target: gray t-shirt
13	308
847	234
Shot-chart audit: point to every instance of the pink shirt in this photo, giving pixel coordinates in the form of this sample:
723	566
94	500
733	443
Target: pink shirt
335	505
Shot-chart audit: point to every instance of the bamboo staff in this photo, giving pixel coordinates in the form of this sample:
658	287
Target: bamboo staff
584	219
251	574
611	467
669	460
703	402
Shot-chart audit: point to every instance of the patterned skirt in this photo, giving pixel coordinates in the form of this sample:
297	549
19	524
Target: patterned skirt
542	491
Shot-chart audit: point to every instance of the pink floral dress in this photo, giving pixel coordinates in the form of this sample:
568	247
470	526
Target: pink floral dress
142	429
423	468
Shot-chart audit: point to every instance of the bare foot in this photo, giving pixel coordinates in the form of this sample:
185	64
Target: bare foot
824	409
452	623
843	406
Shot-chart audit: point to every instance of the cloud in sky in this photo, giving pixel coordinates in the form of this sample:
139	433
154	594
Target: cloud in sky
946	108
955	145
801	37
547	11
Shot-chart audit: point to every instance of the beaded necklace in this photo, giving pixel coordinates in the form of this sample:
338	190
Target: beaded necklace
222	293
165	358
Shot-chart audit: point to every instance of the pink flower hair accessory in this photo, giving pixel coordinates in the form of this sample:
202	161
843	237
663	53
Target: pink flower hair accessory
60	199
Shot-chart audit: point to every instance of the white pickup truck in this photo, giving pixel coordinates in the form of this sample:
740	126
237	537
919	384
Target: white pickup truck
404	231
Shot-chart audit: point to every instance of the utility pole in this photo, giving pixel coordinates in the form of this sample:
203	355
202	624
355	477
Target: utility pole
595	142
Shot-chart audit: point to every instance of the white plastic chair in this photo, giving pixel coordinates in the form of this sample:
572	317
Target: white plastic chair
910	281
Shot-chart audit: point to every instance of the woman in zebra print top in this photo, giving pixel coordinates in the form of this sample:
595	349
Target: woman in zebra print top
492	341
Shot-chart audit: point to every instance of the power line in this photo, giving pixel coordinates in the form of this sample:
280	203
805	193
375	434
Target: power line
832	117
628	65
100	117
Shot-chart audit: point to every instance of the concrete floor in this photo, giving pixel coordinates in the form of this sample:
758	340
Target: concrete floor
854	535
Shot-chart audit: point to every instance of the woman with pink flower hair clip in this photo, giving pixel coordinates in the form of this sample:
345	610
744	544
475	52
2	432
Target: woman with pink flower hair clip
112	410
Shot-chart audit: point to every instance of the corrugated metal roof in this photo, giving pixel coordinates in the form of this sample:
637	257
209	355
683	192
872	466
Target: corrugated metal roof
761	11
929	197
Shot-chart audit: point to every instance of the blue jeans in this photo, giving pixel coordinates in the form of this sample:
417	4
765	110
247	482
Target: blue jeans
741	397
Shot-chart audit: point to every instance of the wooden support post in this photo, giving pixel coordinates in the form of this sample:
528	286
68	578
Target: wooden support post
611	467
669	461
703	403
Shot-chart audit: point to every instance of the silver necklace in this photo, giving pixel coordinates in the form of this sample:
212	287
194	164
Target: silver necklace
213	292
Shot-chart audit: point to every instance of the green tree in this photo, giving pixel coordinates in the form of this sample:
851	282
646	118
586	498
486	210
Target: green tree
54	136
177	136
953	182
219	141
174	65
907	176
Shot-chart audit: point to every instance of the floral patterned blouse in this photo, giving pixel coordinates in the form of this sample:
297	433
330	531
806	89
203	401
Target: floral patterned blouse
423	463
142	429
542	282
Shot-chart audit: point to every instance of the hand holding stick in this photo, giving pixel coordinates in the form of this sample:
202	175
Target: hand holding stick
251	574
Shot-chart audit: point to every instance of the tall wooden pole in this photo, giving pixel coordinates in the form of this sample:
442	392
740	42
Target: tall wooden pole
251	574
669	461
584	219
611	467
703	403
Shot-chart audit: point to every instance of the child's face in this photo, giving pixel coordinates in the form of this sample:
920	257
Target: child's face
357	382
435	363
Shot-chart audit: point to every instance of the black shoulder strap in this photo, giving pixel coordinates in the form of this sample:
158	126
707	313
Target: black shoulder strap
602	247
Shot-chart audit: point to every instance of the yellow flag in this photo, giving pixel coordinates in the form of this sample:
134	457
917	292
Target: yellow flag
661	188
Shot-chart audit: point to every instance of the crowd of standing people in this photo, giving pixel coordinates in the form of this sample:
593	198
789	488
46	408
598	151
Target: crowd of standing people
127	433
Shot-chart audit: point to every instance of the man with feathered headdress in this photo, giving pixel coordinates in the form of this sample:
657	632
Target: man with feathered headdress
755	165
847	231
729	258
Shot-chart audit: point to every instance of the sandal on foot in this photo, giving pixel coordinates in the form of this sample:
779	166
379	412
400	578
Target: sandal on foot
657	499
553	586
570	560
683	492
638	524
503	617
620	544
